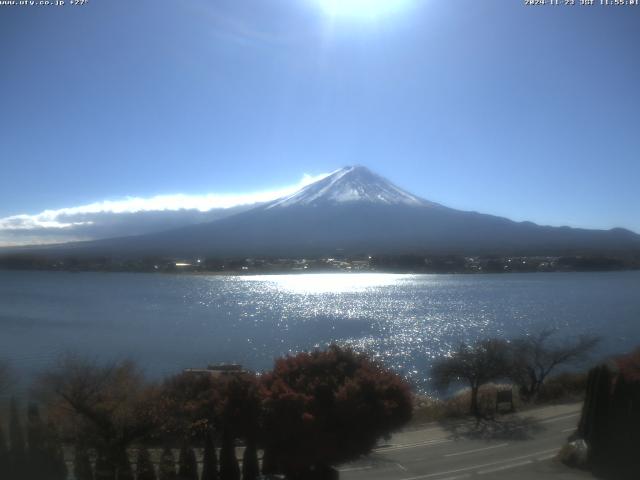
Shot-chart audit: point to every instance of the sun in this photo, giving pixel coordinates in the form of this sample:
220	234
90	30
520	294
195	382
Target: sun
360	8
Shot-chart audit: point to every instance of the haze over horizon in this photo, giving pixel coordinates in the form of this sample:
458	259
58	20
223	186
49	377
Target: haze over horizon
526	113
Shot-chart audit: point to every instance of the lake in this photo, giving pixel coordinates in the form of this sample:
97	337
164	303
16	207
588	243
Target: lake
169	322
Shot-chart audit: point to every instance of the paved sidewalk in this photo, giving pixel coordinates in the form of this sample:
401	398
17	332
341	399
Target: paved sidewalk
521	445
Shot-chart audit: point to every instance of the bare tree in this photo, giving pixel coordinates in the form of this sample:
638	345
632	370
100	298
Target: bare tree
536	356
106	407
6	376
475	365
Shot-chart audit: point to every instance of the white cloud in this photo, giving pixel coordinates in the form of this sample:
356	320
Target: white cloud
90	221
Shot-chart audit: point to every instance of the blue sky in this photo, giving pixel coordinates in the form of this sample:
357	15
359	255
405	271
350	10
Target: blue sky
527	112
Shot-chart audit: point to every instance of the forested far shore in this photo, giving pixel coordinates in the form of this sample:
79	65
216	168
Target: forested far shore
359	263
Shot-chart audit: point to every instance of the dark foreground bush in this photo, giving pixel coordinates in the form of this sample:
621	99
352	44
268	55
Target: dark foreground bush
328	407
610	422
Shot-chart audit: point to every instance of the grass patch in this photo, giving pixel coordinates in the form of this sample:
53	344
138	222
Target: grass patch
561	388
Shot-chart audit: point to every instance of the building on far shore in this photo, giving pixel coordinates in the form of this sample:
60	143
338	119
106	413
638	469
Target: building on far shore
217	370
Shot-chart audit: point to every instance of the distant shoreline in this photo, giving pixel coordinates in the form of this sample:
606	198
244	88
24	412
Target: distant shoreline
399	264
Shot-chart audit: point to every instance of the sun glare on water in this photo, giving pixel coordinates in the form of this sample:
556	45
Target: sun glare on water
320	283
361	8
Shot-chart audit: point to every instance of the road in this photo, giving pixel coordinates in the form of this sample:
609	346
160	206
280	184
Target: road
521	446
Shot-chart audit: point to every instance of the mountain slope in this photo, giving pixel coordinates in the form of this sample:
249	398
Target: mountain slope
348	185
355	211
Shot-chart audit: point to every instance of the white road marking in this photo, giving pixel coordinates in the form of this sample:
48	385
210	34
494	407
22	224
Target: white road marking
547	457
557	419
504	467
476	450
355	469
401	467
572	429
413	445
475	467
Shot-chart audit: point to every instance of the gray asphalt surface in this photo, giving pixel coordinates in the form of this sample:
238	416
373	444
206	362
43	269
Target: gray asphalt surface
519	446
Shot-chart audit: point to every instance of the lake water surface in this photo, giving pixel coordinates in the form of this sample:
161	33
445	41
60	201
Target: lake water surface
169	322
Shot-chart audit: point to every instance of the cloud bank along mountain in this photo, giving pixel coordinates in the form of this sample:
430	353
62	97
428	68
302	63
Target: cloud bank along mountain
355	211
132	216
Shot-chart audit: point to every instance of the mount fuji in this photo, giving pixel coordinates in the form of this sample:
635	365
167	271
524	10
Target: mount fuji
350	184
355	211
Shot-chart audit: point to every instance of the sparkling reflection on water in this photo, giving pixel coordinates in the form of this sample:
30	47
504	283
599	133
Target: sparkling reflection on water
169	322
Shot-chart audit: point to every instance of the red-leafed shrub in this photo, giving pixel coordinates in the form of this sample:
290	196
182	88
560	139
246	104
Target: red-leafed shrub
328	407
629	366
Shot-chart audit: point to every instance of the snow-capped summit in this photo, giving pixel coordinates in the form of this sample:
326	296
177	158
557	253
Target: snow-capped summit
350	185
